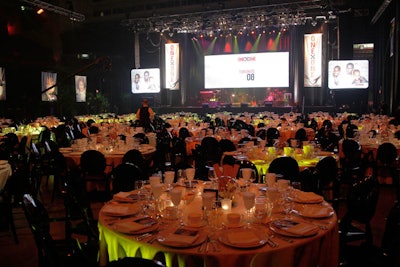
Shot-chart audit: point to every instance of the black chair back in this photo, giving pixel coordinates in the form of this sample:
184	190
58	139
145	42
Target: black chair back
386	154
247	164
391	236
272	134
93	162
286	166
361	205
52	253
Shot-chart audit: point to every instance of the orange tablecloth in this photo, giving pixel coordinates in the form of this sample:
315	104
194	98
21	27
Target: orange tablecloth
112	159
321	249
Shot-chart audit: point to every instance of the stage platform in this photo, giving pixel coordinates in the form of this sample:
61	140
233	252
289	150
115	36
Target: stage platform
242	109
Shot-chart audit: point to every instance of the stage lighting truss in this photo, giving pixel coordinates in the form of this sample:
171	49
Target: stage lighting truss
235	20
74	16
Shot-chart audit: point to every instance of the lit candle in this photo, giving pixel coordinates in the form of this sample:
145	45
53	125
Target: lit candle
226	204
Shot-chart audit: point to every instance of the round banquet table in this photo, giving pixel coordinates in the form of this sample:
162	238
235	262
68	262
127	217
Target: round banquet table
113	158
262	162
321	249
373	146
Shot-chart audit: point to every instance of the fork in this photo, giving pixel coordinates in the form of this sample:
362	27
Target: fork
205	243
272	243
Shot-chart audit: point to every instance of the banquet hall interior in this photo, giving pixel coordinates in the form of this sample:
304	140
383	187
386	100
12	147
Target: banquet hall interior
299	80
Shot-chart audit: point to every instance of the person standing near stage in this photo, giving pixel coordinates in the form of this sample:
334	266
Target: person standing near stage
145	115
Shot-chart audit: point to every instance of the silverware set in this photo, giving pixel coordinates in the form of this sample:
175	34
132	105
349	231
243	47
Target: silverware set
205	246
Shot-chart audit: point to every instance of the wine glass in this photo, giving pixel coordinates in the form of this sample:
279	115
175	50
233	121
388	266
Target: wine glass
176	197
248	175
212	177
190	175
157	190
208	199
249	202
169	177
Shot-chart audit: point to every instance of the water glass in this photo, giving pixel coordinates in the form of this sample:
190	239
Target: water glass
249	201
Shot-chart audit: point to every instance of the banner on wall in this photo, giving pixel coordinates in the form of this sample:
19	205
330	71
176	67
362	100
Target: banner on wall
80	88
49	86
2	83
172	66
312	60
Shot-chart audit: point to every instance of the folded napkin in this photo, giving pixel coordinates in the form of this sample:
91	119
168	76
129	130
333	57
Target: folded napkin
120	209
296	228
307	197
181	236
129	226
126	196
302	229
242	238
316	212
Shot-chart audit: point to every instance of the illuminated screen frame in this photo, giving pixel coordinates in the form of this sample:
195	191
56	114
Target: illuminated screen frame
250	70
345	75
152	85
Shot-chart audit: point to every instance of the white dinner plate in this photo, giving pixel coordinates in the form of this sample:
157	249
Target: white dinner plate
312	212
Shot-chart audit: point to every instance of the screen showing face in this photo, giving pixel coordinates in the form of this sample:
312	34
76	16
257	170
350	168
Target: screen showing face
247	70
145	81
348	74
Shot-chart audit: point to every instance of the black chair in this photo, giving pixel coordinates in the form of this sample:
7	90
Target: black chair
272	135
261	133
6	213
183	133
134	261
326	172
51	252
79	218
386	163
141	138
301	135
123	177
286	166
178	150
226	145
247	164
93	165
391	237
323	180
351	164
361	206
386	255
206	154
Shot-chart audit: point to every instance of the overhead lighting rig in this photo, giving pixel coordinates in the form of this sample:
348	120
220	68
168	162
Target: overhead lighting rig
74	16
235	20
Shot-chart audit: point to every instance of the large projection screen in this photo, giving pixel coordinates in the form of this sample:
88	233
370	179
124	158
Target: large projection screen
348	74
246	70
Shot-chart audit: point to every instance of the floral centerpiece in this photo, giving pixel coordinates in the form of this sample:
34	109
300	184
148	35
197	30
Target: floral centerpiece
227	187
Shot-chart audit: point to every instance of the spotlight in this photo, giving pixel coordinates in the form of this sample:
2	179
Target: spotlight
40	11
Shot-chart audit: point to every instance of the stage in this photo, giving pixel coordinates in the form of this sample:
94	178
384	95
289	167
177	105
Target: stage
242	109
